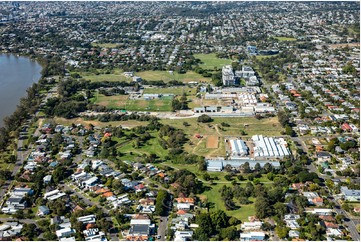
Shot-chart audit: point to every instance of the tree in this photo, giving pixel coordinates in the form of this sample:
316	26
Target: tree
289	131
161	203
5	174
283	118
29	230
202	165
281	231
219	219
57	139
280	209
176	105
59	174
246	168
204	119
257	167
349	69
229	233
50	236
262	206
205	229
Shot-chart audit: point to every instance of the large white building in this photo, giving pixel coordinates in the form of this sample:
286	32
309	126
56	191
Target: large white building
247	99
267	147
228	77
238	148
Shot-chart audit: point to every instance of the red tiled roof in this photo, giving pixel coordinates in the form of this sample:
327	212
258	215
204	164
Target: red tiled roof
107	194
185	200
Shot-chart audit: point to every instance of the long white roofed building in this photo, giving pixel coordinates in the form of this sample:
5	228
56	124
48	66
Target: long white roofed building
268	147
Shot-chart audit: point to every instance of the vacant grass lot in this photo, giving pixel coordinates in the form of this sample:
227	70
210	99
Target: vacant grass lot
199	147
116	75
125	124
105	45
267	127
151	147
210	61
172	90
280	38
122	102
165	76
260	57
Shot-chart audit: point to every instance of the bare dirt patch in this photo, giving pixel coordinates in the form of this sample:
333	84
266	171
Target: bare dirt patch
335	46
212	142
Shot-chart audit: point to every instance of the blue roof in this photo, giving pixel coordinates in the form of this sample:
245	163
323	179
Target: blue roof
44	209
53	164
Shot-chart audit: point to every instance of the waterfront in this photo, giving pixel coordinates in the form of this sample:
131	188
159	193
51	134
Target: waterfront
16	75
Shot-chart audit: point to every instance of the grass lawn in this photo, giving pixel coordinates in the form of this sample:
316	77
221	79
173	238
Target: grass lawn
116	75
125	124
190	76
260	57
152	146
266	127
191	168
149	105
280	38
210	61
176	91
105	45
114	102
214	197
199	147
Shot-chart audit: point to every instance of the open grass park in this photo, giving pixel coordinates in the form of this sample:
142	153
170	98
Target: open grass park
105	45
122	102
211	61
251	125
213	196
281	38
100	76
124	124
171	90
167	76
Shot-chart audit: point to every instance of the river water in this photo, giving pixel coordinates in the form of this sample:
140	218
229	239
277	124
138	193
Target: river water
16	75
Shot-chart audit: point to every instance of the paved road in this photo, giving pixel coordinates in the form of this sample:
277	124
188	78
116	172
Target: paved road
86	200
25	221
113	236
351	225
162	229
21	156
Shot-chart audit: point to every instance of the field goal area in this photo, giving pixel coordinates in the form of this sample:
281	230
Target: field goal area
212	141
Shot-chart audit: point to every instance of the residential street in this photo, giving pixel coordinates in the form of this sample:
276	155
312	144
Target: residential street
350	223
162	228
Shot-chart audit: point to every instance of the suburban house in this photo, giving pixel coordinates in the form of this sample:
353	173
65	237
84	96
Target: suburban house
183	235
323	157
65	232
184	203
350	195
252	236
43	210
141	228
256	225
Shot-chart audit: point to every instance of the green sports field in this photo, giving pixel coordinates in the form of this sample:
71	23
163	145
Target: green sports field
210	61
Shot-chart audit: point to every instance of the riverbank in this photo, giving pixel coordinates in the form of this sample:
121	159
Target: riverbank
17	74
